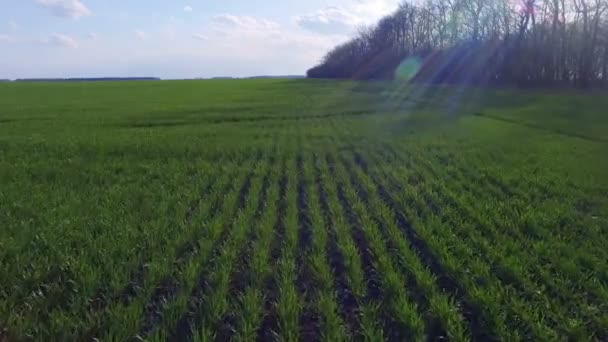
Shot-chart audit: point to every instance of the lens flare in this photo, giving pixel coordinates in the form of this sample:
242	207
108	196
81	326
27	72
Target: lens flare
408	68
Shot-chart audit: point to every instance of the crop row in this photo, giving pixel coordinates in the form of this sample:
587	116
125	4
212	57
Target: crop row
336	243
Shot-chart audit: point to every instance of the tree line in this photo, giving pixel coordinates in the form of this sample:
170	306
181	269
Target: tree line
523	42
87	79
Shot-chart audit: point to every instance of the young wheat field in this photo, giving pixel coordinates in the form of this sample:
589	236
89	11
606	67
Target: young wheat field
301	210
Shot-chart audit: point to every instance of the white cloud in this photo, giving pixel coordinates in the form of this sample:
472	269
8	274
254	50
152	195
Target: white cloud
371	11
228	44
140	34
244	22
63	40
13	25
330	20
344	20
258	41
5	38
73	9
188	9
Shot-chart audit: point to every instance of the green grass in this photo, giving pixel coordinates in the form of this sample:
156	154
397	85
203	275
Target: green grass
301	209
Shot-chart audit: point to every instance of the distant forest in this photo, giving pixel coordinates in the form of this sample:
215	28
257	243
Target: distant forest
529	42
87	79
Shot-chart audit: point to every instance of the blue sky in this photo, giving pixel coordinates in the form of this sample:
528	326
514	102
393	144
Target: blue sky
175	38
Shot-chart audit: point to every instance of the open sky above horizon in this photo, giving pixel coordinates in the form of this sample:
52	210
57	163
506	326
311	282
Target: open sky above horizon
175	39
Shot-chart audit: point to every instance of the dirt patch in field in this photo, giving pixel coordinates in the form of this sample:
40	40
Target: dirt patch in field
165	292
132	289
157	124
11	120
239	119
6	336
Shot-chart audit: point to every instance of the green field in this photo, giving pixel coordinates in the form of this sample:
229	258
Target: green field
301	210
